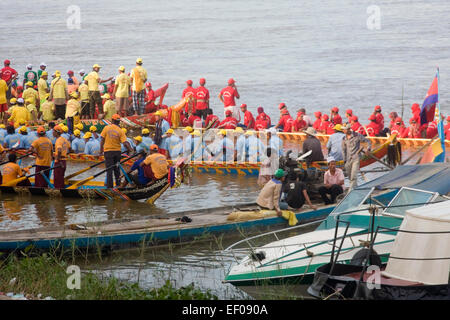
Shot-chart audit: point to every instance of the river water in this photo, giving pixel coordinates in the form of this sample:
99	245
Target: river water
312	54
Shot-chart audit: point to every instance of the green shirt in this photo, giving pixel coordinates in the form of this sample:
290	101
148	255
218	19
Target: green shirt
30	76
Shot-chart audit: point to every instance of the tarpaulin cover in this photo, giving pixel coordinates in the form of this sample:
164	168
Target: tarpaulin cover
434	177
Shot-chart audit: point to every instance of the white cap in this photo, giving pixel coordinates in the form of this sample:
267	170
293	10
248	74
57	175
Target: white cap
20	100
330	158
43	64
29	66
81	71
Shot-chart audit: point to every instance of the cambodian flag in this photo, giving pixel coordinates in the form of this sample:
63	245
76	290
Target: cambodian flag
427	112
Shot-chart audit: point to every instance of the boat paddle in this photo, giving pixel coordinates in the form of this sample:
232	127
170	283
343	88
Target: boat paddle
13	183
25	155
81	182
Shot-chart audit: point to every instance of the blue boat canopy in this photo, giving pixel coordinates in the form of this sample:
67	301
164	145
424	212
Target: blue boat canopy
434	177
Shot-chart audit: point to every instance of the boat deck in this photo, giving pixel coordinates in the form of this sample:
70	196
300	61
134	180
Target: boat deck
385	280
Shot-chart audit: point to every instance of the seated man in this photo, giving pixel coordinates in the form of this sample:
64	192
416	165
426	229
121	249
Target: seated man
269	196
139	179
12	171
155	165
296	194
333	182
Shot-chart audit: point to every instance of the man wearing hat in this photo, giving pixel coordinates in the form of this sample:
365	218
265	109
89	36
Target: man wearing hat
9	75
43	89
146	139
286	122
229	122
20	113
109	107
379	120
25	139
112	138
82	74
92	146
140	147
30	76
274	142
157	165
262	120
318	122
59	95
161	127
351	148
253	146
212	121
249	120
227	96
42	68
189	109
138	78
173	144
43	149
356	126
398	127
73	109
30	93
62	148
202	99
312	144
3	99
121	91
334	144
222	147
269	196
333	181
94	80
150	98
372	129
335	117
78	145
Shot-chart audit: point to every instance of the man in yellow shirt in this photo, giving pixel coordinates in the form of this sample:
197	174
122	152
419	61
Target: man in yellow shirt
121	91
112	138
3	100
12	171
94	80
138	78
42	85
109	108
62	147
73	109
48	109
59	95
31	107
19	113
157	162
30	93
83	90
42	148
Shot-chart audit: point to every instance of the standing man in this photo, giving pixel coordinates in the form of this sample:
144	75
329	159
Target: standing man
42	68
42	148
189	109
62	147
83	90
112	138
138	78
59	94
43	89
351	148
121	91
227	96
30	75
334	144
94	93
333	181
202	99
9	75
3	100
335	117
161	127
249	120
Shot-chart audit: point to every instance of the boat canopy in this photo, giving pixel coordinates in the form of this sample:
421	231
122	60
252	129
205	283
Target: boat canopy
434	177
422	256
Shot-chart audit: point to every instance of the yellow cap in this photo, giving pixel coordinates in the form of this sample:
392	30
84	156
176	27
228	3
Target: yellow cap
23	129
76	132
65	128
106	96
138	138
46	96
87	135
79	126
170	131
29	100
223	131
13	100
57	73
21	122
2	126
124	130
121	68
29	84
189	129
93	129
44	73
95	66
338	127
196	133
158	113
239	129
145	131
139	60
74	94
249	132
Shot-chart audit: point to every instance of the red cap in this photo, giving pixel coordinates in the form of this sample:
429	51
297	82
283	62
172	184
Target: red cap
325	117
228	113
284	111
189	82
349	111
372	117
335	109
377	108
243	105
231	81
354	118
299	114
148	84
6	61
318	114
154	147
415	106
70	73
202	81
116	116
281	106
448	118
398	119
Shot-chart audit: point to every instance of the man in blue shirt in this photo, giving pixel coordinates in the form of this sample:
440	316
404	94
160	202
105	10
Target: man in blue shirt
172	144
92	145
49	132
11	139
140	146
78	144
334	144
25	139
139	179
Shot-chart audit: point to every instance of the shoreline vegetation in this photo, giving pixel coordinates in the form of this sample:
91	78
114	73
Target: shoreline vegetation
46	277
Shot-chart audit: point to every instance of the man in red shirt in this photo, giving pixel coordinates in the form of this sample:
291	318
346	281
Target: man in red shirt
195	120
413	131
398	127
335	117
349	115
212	121
299	123
9	75
227	96
229	122
431	130
372	128
202	98
249	121
318	122
379	120
415	109
356	126
286	121
263	117
150	99
189	91
447	126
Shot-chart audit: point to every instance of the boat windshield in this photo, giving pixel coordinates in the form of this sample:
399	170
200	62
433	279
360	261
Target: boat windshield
408	198
352	201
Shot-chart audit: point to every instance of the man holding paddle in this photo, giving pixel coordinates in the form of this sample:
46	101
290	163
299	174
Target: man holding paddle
43	149
112	138
62	147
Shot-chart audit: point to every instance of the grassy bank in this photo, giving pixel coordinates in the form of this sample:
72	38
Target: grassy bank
46	275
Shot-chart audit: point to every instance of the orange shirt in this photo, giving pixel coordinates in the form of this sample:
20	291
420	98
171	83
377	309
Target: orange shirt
11	171
159	164
114	137
63	145
44	149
